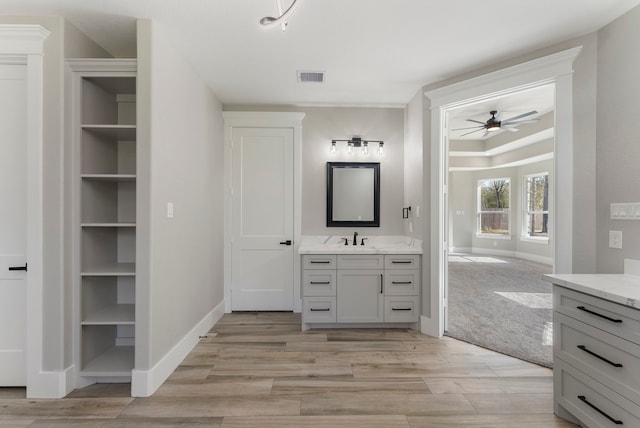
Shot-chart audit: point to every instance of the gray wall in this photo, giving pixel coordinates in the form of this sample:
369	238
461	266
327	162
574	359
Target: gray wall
413	178
618	148
323	124
319	127
185	164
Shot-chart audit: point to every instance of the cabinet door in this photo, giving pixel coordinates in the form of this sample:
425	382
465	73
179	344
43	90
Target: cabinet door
360	296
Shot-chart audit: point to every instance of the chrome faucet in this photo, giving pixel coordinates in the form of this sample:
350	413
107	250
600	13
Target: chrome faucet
355	238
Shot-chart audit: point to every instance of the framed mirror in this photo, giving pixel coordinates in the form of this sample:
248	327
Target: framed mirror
353	194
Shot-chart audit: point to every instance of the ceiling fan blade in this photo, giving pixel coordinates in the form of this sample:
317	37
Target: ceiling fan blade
471	132
476	121
520	122
520	116
485	133
471	127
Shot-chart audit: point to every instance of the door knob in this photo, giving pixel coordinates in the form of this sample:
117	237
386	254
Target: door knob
24	268
287	242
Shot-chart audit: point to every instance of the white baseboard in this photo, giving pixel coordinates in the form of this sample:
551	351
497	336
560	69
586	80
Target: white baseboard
52	384
516	254
145	382
460	250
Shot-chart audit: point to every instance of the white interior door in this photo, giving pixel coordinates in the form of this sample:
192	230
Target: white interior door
13	225
262	219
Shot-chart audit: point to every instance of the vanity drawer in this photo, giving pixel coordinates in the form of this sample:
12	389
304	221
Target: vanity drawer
318	282
402	283
319	310
360	261
401	308
402	261
620	320
613	361
318	261
591	402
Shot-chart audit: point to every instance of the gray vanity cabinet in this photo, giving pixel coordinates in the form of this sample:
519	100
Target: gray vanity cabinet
360	289
596	363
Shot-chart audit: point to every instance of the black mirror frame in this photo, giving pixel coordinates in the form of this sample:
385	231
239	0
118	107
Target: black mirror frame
376	194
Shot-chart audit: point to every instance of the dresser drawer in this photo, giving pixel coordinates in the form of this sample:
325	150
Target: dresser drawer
401	308
620	320
360	261
319	261
402	261
319	310
318	282
613	361
591	402
401	282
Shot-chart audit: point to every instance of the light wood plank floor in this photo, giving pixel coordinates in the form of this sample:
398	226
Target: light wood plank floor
260	370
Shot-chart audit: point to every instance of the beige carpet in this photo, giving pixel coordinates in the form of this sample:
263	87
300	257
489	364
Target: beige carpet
501	303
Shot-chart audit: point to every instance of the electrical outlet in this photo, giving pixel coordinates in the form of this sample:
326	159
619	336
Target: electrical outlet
615	239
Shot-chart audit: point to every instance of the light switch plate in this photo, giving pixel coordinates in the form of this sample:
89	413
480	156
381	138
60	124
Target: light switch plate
615	239
169	209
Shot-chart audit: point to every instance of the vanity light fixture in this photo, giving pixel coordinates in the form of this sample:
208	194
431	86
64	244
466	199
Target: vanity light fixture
358	142
270	21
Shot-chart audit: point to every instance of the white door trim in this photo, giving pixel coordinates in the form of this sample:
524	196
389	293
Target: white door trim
552	69
235	119
24	44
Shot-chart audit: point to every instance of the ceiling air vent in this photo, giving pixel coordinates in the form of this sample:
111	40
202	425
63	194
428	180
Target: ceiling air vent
311	76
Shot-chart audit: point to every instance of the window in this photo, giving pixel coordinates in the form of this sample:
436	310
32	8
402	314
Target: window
493	206
536	206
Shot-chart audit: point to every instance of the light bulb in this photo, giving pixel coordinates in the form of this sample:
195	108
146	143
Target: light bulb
333	147
349	147
365	148
381	149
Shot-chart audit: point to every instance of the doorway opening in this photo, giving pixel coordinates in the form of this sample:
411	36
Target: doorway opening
500	166
555	69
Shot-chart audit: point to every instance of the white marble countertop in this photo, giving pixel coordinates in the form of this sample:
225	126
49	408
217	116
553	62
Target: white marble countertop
382	244
618	288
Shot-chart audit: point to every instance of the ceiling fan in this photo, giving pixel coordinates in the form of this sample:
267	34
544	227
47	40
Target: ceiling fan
494	123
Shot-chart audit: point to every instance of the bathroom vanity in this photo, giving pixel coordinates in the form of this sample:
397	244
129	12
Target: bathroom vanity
596	347
375	284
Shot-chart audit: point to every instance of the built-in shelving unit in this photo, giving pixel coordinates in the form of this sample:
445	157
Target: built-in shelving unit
104	135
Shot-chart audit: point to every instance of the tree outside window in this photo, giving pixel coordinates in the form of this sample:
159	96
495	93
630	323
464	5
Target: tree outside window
536	219
493	209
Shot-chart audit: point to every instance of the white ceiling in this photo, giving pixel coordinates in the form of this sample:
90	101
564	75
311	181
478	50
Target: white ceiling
375	52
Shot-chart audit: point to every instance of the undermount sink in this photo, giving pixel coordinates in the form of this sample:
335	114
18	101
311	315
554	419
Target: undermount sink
384	244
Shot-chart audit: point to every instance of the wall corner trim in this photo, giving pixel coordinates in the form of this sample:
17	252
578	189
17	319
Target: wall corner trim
145	382
426	327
